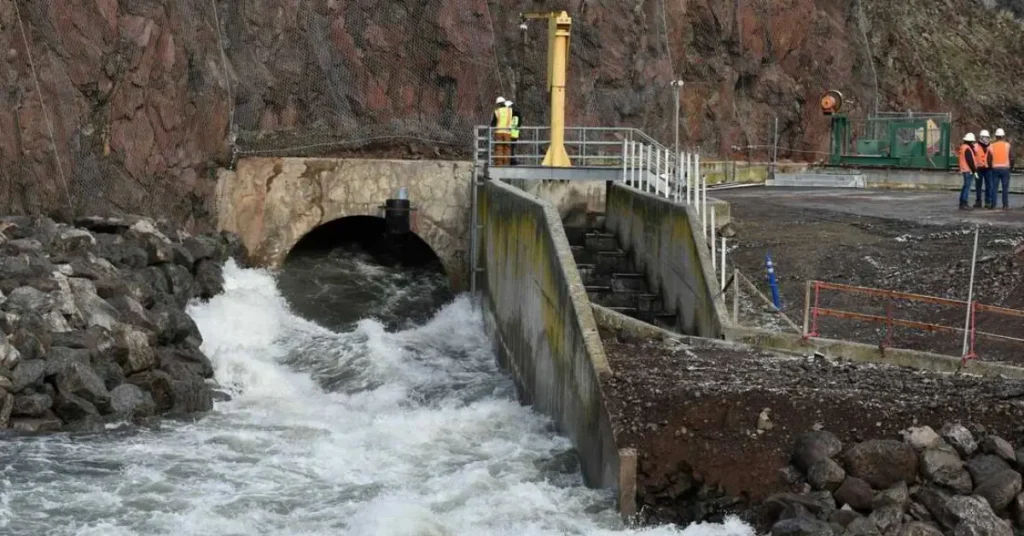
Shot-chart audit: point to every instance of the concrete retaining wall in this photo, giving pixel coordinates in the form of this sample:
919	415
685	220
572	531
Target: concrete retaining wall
572	199
540	317
666	243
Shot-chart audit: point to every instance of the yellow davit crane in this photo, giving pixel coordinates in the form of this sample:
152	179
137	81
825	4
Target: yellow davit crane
559	26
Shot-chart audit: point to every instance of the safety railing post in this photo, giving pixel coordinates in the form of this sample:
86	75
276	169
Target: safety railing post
624	156
807	307
714	256
689	181
723	264
657	170
704	205
632	163
736	300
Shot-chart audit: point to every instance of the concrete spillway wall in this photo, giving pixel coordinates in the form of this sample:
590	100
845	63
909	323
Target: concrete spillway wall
540	317
667	245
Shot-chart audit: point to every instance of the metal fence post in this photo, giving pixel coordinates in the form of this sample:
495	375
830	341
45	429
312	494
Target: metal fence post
624	149
807	307
723	264
736	298
714	257
657	170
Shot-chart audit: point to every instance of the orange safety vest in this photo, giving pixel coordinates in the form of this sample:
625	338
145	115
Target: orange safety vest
964	168
1000	154
981	156
504	122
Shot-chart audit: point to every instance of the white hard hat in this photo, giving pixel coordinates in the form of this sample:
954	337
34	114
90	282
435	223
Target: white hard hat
969	136
508	103
499	100
983	134
1000	133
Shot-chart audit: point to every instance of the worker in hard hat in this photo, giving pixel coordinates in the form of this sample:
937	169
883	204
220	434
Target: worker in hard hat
983	179
502	123
1002	161
967	168
514	131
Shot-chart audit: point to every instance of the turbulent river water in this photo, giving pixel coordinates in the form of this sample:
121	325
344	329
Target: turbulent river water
387	417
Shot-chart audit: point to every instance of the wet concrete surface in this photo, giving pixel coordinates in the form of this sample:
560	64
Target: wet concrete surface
925	207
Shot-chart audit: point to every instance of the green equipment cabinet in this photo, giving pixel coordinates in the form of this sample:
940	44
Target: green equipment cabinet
892	140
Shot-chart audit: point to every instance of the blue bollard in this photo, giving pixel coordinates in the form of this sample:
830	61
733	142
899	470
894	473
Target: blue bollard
773	282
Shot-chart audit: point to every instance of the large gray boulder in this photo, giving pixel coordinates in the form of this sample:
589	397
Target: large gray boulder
24	300
34	405
998	446
28	373
131	349
95	310
974	517
985	466
960	438
131	402
815	446
825	474
943	466
1000	489
882	463
78	380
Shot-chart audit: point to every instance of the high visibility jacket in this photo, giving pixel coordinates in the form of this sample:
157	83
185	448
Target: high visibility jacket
966	158
981	155
1000	154
515	127
503	119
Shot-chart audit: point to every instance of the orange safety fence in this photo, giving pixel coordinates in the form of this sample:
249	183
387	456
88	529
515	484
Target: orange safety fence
812	311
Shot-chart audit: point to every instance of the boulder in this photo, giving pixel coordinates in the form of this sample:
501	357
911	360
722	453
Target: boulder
1000	489
801	526
882	463
89	266
985	466
130	401
159	385
999	447
814	446
34	405
960	438
134	313
209	279
918	511
182	257
825	474
6	408
175	326
121	253
79	380
1017	509
9	355
131	349
934	500
921	438
887	518
918	528
862	527
897	496
71	239
59	357
205	247
70	407
43	424
974	517
183	287
55	322
194	396
843	517
820	504
184	363
943	466
109	371
24	300
856	493
28	373
95	310
25	245
64	300
32	342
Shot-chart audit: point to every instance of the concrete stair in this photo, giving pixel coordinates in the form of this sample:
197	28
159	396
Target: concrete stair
818	180
610	277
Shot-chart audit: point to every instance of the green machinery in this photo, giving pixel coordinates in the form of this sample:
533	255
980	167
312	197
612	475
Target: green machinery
908	140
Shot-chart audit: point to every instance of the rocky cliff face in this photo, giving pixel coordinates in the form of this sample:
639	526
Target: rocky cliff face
145	98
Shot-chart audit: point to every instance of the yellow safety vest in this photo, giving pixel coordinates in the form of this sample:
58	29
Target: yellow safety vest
504	116
515	128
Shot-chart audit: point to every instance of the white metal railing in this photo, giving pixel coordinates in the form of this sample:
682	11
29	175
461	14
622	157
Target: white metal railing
646	165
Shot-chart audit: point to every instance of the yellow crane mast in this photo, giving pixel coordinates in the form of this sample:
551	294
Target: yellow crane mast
559	26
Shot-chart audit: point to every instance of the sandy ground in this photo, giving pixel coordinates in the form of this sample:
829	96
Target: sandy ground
904	241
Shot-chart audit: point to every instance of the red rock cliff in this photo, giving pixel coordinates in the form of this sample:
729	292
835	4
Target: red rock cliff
147	98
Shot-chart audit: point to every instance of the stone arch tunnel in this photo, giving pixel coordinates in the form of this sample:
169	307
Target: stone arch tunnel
272	203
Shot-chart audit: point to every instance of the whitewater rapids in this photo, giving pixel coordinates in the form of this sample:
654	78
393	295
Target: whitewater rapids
362	431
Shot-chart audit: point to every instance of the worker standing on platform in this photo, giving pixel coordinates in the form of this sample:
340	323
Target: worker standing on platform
983	180
514	131
968	168
502	123
1002	161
